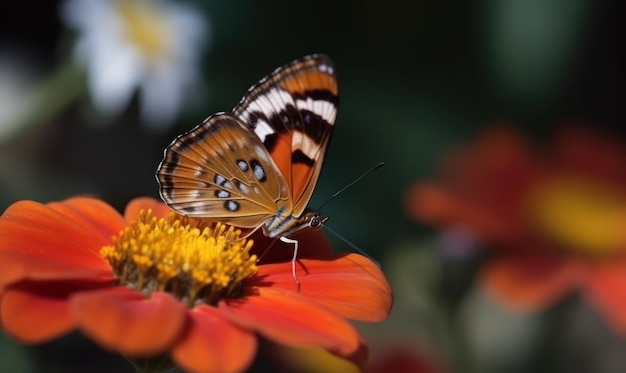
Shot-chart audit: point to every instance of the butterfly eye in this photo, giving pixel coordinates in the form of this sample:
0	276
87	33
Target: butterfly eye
315	221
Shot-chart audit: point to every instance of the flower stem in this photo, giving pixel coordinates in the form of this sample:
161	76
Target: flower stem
48	99
151	364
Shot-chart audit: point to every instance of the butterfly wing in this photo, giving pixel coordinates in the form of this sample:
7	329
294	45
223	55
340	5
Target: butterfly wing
292	111
221	170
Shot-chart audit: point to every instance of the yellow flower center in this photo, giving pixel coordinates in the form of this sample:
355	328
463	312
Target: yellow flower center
143	23
580	215
196	264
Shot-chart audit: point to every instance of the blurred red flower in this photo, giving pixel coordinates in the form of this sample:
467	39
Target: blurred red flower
54	278
555	218
396	356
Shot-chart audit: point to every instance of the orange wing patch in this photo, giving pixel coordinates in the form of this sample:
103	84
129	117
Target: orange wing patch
307	80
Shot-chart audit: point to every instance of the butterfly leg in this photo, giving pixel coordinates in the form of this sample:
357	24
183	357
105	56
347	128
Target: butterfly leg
295	256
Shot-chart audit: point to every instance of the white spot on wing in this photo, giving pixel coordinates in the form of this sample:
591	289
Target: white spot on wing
197	205
243	188
279	98
219	179
305	144
262	153
323	108
232	206
259	173
272	102
326	69
263	129
243	166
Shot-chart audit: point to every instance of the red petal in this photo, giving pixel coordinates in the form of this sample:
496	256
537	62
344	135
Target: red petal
349	284
35	311
530	283
124	320
40	231
159	209
605	287
16	267
434	204
596	154
312	360
312	244
404	359
291	319
213	343
31	318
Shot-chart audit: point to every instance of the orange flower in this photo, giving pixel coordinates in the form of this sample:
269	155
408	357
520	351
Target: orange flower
556	219
165	286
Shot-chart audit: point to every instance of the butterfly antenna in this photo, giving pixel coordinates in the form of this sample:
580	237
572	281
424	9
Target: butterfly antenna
355	247
376	167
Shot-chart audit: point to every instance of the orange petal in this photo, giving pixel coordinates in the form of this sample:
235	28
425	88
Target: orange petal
605	287
159	209
92	214
213	343
125	321
529	283
31	318
349	284
291	319
31	228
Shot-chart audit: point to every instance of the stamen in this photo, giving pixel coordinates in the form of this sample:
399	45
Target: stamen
196	262
583	216
143	23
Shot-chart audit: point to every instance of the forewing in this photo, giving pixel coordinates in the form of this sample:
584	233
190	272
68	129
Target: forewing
292	111
221	170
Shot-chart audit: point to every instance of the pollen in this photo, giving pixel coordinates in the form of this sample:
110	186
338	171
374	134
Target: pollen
194	261
143	26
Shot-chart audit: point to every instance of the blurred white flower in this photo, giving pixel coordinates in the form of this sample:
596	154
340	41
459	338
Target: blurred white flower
16	84
150	45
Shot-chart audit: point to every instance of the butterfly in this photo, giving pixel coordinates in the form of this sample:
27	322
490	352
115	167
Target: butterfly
257	166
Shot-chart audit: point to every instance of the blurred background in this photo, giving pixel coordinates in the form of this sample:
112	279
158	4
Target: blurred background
79	115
